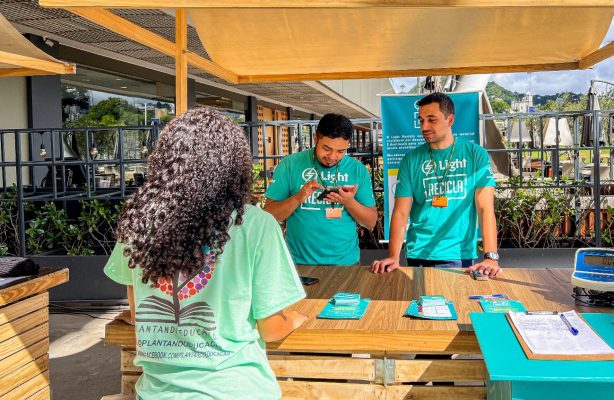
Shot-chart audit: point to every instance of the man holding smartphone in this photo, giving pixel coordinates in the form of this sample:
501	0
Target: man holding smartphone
322	194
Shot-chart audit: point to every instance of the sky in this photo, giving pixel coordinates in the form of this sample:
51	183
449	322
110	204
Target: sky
544	83
547	83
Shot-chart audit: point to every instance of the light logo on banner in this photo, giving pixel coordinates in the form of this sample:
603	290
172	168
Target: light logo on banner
401	133
416	115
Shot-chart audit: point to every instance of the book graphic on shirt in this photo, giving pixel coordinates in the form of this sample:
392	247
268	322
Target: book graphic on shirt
159	309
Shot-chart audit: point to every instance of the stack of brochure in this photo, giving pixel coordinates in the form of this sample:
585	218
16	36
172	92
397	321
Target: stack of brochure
345	306
432	307
501	305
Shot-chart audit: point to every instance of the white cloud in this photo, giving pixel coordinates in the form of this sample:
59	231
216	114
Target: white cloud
543	83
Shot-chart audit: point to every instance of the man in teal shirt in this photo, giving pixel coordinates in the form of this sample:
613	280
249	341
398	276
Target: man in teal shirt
321	224
448	185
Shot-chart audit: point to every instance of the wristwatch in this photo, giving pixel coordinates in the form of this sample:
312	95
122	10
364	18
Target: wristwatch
491	255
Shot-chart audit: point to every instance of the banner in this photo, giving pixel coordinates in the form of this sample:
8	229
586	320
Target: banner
401	133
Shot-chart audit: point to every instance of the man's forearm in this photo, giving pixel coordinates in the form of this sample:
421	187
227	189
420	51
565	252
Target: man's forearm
489	231
363	215
397	234
281	210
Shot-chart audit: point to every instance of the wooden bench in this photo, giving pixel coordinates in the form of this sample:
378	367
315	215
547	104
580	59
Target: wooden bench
24	336
313	376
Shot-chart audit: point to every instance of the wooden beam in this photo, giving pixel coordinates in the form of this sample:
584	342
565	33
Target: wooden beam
23	374
597	56
147	38
321	3
412	72
27	355
211	67
359	391
181	61
18	343
33	286
34	63
24	307
8	72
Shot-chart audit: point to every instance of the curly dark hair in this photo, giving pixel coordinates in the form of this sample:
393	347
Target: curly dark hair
199	181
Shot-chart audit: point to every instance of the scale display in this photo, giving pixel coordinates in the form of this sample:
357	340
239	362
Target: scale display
594	269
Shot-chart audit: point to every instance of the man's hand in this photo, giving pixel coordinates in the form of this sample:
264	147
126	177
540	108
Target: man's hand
308	189
487	267
386	265
346	193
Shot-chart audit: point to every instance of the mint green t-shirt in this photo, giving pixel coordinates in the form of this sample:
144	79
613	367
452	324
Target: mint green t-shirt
448	233
199	340
312	238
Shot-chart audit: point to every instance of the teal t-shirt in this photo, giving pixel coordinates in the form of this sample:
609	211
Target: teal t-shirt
312	238
448	233
197	338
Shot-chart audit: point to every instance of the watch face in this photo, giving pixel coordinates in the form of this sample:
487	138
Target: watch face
491	255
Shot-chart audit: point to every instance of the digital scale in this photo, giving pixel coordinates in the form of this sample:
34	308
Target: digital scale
593	277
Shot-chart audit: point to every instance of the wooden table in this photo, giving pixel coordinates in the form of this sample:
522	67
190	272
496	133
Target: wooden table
24	335
385	355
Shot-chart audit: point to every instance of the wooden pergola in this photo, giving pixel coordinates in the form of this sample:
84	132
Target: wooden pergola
19	57
298	40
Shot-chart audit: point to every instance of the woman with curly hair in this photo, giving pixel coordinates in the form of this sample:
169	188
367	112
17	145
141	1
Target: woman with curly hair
208	275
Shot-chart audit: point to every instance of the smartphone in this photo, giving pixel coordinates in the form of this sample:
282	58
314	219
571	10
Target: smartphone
478	276
308	280
326	191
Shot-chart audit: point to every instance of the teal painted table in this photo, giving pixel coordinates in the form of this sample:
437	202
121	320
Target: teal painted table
512	376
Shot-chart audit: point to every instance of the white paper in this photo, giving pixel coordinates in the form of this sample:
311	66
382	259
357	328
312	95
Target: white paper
436	311
548	334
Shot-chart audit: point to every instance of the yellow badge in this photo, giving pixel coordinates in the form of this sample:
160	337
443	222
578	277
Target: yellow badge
440	201
333	213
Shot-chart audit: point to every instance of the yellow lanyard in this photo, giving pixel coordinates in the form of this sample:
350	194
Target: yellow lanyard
445	172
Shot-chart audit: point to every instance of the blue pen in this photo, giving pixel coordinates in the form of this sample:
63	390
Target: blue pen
488	296
573	330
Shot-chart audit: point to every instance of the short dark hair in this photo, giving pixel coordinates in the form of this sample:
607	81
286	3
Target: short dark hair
446	105
335	126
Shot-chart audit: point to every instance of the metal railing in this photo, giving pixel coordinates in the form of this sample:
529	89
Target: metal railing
39	166
53	173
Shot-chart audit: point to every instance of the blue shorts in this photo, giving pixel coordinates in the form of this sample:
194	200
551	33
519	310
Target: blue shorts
417	262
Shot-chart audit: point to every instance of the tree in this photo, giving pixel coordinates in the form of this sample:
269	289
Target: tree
499	106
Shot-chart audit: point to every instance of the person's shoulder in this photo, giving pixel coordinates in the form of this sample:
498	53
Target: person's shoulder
256	216
475	149
472	146
354	163
422	149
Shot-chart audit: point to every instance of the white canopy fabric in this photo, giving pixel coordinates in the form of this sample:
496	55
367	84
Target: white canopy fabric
288	41
299	40
20	57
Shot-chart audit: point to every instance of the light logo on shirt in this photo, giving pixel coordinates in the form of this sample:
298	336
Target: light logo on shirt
309	174
428	166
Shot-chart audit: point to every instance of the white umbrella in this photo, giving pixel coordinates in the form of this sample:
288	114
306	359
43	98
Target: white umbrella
564	138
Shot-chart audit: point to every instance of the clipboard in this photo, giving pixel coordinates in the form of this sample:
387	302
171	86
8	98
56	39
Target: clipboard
539	356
